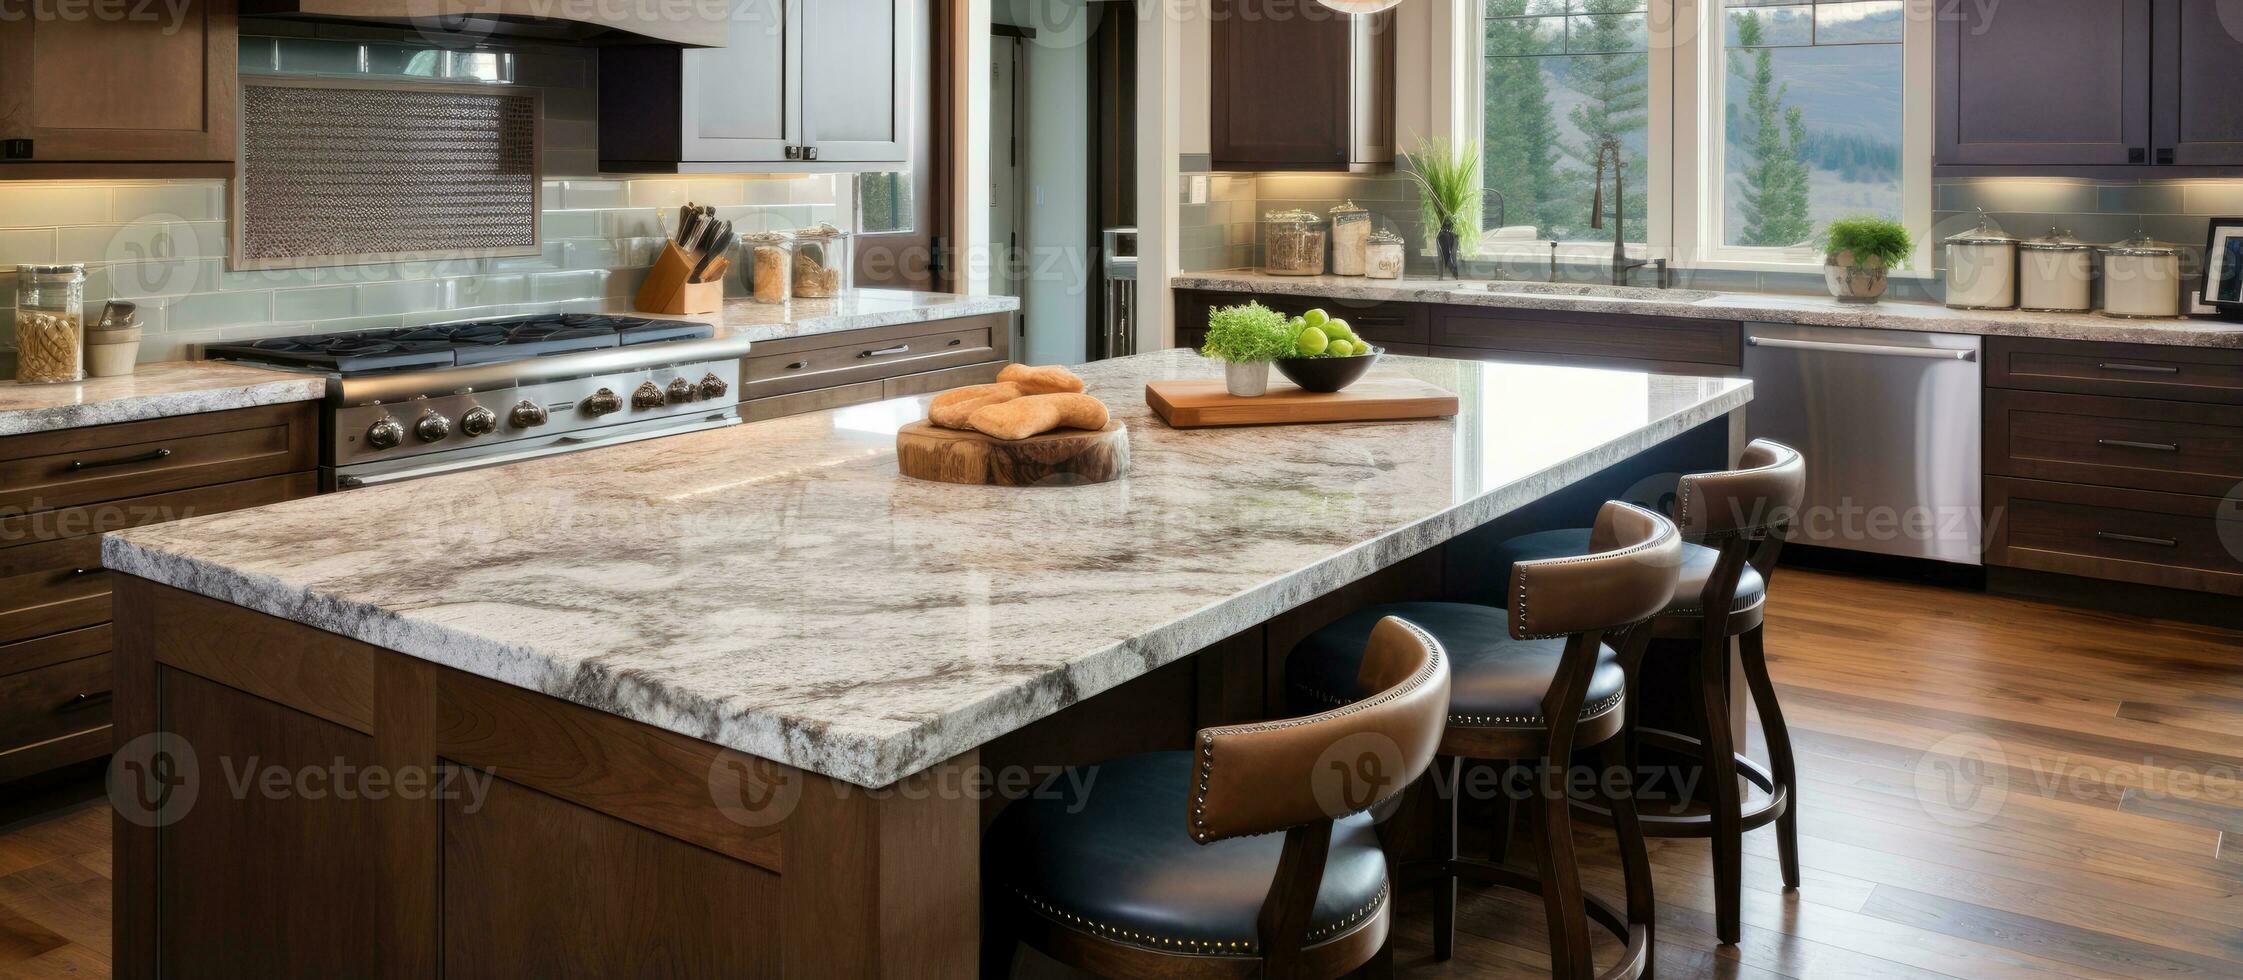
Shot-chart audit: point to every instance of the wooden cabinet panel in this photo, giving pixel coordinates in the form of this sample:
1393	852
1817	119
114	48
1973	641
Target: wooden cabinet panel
2055	83
742	102
1661	343
856	94
1294	85
74	645
55	700
235	881
2163	539
870	355
106	462
2199	107
2130	370
155	85
934	381
2178	447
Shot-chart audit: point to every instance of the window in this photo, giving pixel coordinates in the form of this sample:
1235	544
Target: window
1745	125
884	203
1561	77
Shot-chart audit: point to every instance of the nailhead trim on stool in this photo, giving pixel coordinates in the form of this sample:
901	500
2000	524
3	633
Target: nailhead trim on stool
1243	947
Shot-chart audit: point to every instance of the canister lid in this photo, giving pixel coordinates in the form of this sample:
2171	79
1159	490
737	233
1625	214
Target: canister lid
821	230
1347	209
1386	236
1290	216
1987	233
2141	244
2055	241
766	237
52	273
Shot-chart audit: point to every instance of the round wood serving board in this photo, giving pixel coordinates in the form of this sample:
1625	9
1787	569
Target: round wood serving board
1060	458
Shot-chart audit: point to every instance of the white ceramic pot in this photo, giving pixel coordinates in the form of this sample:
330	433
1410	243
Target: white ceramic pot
1246	380
1854	281
114	360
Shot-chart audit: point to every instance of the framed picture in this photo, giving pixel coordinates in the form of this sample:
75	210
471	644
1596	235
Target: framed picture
2223	267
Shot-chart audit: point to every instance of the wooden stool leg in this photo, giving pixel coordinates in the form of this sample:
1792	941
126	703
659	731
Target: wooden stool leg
1754	659
1446	774
1499	829
1709	673
1618	789
1561	874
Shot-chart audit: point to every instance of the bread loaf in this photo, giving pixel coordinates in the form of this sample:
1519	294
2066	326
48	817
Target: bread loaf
1030	415
1041	380
952	408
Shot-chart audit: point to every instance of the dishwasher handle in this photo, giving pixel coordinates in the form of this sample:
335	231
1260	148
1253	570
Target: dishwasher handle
1879	350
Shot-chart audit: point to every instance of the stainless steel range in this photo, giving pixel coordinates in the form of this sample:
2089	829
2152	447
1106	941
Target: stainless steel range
425	400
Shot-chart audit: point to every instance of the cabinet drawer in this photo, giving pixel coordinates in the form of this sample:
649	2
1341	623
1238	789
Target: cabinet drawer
16	658
71	590
55	700
2132	370
49	470
804	402
2172	540
24	530
1380	323
944	380
2179	447
1587	339
869	358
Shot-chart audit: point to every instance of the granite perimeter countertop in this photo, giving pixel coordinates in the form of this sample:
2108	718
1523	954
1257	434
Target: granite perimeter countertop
856	310
778	588
1820	311
152	391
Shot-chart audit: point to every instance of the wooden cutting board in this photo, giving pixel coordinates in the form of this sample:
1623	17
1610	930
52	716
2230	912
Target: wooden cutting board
1059	458
1193	404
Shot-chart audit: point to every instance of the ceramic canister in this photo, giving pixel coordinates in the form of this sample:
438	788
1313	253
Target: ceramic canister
2055	273
1982	268
2142	279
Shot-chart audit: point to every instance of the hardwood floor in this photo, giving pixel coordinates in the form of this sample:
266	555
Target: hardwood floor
2103	751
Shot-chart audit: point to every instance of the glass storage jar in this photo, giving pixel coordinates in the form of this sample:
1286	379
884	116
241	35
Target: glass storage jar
50	323
1382	255
770	266
821	262
1292	243
1351	233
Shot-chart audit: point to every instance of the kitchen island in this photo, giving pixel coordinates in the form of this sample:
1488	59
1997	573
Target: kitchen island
730	702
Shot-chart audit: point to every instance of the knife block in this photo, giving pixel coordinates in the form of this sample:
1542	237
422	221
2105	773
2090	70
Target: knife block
667	291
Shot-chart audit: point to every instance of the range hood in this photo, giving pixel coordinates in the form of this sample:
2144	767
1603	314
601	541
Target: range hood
685	23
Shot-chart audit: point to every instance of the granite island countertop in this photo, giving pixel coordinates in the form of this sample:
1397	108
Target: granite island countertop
778	588
152	391
1820	311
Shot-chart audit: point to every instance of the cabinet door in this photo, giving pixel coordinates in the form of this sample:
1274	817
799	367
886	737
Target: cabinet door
856	58
1278	78
156	88
742	103
2199	105
2045	83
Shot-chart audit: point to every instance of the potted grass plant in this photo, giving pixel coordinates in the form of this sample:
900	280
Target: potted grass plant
1448	184
1246	338
1857	254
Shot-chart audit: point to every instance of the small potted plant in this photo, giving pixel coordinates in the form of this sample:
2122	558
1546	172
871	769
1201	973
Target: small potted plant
1858	252
1448	182
1246	338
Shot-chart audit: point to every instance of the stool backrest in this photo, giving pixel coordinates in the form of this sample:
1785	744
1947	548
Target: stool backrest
1742	513
1628	576
1274	775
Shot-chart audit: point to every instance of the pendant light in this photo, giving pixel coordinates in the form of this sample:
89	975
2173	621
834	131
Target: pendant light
1361	6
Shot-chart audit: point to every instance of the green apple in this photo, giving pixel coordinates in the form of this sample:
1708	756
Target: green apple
1340	348
1311	342
1316	318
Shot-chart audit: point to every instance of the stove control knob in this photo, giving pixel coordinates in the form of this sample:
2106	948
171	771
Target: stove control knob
682	390
602	402
713	386
526	415
432	426
386	433
647	396
479	421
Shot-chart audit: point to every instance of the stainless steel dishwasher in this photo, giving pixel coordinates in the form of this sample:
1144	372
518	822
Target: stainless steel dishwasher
1889	423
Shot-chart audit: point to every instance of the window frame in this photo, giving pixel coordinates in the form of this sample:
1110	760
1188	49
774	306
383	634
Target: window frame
1686	112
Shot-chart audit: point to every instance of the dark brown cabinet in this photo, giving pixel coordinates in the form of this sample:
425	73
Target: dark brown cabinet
1296	85
97	96
2142	85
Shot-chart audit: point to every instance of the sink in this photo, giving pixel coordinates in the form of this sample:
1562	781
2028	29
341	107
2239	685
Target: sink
1590	291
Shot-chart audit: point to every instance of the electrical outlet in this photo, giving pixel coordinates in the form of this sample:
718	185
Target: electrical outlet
1199	189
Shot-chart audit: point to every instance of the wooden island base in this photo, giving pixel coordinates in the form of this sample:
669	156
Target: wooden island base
490	830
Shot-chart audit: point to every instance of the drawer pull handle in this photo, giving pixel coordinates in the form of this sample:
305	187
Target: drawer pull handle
84	700
955	341
798	365
2139	368
2135	538
884	351
2163	447
147	457
76	572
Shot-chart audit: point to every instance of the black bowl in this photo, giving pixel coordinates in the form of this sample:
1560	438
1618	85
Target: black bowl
1327	373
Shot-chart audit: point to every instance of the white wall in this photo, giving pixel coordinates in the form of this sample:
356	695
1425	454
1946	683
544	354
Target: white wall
1055	226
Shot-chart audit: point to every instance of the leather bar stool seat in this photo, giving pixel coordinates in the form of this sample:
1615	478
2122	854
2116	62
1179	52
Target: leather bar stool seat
1495	681
1697	566
1119	861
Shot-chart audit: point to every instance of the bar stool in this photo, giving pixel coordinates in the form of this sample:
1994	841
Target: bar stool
1535	682
1153	868
1734	523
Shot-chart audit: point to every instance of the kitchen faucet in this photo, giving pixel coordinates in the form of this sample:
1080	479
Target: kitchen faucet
1621	263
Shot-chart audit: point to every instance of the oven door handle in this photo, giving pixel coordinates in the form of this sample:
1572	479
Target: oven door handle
560	444
1880	350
